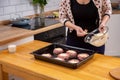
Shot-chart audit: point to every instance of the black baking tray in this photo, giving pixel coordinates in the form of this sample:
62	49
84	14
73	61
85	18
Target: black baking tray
49	49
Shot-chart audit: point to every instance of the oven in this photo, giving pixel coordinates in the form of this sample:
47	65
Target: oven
54	36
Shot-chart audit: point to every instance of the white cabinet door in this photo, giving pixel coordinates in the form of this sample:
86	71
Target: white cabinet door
113	43
18	42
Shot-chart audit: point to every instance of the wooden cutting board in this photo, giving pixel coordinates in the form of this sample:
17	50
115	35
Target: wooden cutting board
115	73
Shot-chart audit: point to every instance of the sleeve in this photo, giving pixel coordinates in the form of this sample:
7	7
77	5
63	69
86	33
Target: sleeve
107	9
63	16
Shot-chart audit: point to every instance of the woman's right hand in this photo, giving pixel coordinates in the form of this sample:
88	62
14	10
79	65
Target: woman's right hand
80	32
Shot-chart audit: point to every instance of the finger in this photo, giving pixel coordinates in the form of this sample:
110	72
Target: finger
101	28
86	31
81	34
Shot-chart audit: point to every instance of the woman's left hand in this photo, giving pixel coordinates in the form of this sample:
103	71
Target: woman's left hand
102	27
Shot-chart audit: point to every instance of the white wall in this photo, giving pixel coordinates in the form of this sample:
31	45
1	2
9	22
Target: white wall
23	7
113	43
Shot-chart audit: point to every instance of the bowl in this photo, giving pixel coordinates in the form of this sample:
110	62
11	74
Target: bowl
97	38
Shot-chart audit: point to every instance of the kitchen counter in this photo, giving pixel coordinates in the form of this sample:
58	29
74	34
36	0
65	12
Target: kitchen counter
23	64
116	11
11	34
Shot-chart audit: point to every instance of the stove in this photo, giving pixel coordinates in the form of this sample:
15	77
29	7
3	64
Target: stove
34	23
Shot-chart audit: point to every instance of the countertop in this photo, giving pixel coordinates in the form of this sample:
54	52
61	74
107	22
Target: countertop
23	64
10	34
116	11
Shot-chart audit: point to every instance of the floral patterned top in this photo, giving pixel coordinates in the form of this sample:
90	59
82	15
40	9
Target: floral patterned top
65	13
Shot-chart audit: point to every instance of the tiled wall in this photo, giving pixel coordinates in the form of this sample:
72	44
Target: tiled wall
23	7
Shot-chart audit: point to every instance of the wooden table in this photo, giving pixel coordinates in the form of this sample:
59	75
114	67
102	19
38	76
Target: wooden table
23	64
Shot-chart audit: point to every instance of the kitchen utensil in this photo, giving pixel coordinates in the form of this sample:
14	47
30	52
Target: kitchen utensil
20	22
115	73
97	38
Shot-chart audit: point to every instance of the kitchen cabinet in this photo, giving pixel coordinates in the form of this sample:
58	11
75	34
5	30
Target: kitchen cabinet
112	45
53	36
13	35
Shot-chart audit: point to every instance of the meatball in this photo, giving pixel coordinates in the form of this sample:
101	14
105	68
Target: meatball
46	55
82	56
58	50
73	61
63	56
61	59
72	53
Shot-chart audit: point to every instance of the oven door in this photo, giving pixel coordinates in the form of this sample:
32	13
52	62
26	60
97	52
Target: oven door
54	36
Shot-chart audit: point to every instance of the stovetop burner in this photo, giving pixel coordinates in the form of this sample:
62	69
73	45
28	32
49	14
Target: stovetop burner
34	23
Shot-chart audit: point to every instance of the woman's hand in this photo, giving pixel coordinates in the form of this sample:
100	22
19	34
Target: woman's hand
102	27
80	32
103	23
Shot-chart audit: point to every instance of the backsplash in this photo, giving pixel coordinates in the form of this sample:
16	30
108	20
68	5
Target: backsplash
22	7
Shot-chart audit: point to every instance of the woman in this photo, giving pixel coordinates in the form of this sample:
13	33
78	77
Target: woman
82	16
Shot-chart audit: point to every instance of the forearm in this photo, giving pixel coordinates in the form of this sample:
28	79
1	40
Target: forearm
79	30
105	20
102	26
71	25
